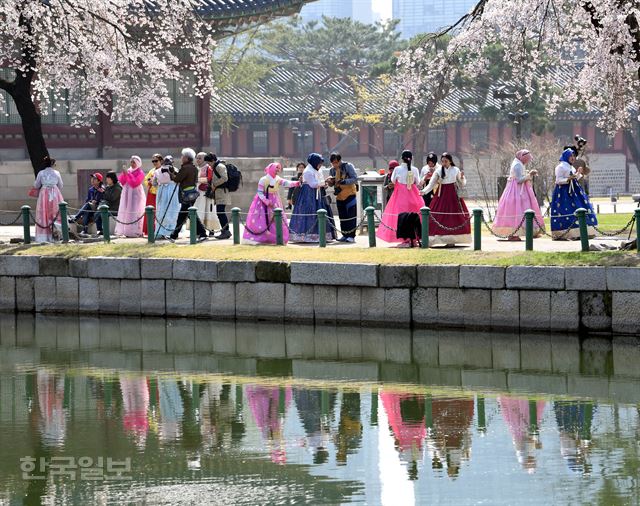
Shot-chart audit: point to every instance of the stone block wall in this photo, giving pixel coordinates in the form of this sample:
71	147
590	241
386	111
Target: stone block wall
593	299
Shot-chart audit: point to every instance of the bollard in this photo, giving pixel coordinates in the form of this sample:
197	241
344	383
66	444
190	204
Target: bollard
582	222
614	208
426	214
322	227
64	222
26	224
235	220
104	213
598	208
477	229
637	215
151	224
371	226
529	214
277	216
193	239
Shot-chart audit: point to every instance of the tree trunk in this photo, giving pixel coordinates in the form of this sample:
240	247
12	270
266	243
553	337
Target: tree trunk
31	123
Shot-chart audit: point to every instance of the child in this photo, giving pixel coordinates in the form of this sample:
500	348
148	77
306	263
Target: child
91	203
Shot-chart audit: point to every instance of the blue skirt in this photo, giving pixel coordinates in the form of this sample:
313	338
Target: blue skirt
167	209
566	200
303	228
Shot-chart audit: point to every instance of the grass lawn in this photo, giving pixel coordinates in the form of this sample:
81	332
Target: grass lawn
347	255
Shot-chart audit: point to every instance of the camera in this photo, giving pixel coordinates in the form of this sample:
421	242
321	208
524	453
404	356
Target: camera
581	141
164	169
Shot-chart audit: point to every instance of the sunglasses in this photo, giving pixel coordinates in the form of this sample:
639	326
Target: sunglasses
154	160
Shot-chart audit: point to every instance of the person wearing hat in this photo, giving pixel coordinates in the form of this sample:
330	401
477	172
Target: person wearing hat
152	189
425	176
304	221
87	211
405	199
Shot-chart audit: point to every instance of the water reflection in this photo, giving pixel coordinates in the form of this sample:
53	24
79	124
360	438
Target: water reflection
220	413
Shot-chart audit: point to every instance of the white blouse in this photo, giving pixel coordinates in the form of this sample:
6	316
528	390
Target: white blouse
400	174
312	177
517	171
451	175
48	177
425	170
563	171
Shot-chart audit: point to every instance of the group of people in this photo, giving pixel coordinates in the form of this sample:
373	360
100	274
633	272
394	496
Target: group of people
169	190
200	181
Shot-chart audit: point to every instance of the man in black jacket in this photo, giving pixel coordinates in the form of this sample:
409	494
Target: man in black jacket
187	179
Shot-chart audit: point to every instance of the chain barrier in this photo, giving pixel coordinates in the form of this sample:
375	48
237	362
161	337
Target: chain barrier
18	217
453	229
488	227
559	237
615	232
114	216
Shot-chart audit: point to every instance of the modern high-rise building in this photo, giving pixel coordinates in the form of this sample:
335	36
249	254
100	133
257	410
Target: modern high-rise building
423	16
360	10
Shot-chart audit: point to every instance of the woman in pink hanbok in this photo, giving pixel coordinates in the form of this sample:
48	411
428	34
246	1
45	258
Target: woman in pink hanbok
268	406
517	197
261	226
519	415
132	200
49	184
135	404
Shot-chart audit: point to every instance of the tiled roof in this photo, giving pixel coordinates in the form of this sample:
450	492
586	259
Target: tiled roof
243	11
264	103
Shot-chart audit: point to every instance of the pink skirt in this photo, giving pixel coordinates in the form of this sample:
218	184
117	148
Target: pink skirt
515	200
131	208
261	226
47	209
403	200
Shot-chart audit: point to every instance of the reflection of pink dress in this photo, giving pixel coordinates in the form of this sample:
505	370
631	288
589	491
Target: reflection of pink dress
517	415
132	203
403	200
266	404
135	401
53	421
409	434
515	200
50	183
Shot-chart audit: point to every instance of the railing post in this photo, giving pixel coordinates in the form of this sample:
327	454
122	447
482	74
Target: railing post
425	213
151	224
637	215
235	220
528	229
26	224
322	227
277	217
64	222
582	222
371	226
193	239
106	231
477	229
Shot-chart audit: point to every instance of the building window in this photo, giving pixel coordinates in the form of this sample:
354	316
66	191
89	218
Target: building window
214	140
479	136
184	102
8	110
259	141
392	143
603	141
564	132
56	110
437	141
304	145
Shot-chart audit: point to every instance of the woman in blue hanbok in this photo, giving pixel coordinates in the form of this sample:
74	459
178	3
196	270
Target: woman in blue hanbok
304	221
569	196
167	199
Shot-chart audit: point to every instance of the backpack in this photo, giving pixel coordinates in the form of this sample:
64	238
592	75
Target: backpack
234	176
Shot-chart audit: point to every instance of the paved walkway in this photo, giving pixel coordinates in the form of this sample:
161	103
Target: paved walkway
489	242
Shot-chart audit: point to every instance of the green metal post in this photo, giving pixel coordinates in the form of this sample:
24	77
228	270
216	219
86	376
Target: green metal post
64	222
277	217
371	226
428	411
235	219
533	416
477	229
26	224
528	229
482	417
582	222
426	215
322	227
104	213
637	215
192	224
151	224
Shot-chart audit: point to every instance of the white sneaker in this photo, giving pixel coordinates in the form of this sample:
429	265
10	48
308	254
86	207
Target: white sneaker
350	239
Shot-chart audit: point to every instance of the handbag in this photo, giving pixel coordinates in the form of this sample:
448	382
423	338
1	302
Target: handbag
461	191
33	192
188	197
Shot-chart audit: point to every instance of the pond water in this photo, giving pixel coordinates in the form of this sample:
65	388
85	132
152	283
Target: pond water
134	411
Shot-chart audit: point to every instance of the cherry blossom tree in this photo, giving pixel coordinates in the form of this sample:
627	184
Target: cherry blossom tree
589	49
113	57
